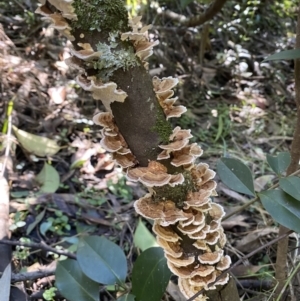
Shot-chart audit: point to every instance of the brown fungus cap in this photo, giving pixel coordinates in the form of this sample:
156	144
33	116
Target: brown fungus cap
66	8
105	119
154	175
165	211
197	199
181	261
189	290
87	53
125	161
165	233
172	248
58	22
211	258
163	85
111	144
107	92
224	263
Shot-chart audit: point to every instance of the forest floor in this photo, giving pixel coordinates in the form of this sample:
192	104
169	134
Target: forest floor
238	106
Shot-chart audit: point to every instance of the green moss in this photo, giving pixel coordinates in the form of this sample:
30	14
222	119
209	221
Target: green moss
101	15
162	126
178	193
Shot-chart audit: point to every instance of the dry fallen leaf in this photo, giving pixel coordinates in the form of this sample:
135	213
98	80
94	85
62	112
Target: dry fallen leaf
39	146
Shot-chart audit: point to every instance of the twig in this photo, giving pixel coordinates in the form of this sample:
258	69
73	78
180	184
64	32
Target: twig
37	246
32	275
242	259
194	21
246	205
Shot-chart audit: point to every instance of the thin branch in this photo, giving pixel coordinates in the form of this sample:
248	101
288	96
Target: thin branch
32	275
243	259
37	246
197	20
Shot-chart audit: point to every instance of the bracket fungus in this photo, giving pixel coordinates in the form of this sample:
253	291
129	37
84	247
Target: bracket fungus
139	37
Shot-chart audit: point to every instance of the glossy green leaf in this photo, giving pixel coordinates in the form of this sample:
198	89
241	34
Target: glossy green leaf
48	178
126	297
37	145
5	283
102	260
143	238
38	219
279	163
284	55
150	275
236	175
291	185
283	208
73	284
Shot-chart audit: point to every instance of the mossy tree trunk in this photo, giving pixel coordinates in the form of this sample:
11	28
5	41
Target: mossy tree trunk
95	28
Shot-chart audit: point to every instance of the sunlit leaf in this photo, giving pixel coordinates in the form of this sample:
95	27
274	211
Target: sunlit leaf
37	145
236	175
284	55
143	238
48	178
283	208
150	275
291	185
73	284
279	163
126	297
102	260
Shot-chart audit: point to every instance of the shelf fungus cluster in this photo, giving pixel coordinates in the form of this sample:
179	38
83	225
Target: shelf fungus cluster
189	231
139	37
113	141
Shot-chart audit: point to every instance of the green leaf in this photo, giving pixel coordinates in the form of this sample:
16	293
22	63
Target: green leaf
45	226
102	260
185	3
150	275
291	185
279	163
143	238
38	219
73	284
37	145
5	283
48	178
283	208
126	297
284	55
236	175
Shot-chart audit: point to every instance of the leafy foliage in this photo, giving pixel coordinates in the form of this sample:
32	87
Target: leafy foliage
236	175
150	275
280	162
102	260
73	283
